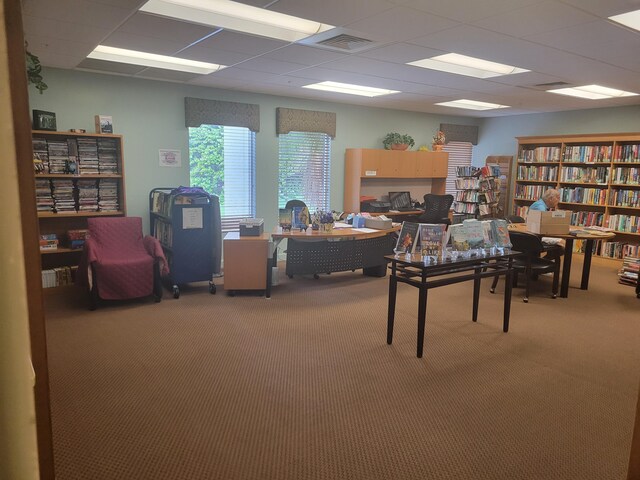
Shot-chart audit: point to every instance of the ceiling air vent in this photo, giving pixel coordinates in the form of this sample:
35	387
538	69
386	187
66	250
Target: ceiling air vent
339	40
545	86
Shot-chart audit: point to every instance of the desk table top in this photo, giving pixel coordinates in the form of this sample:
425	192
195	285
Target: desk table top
336	233
574	232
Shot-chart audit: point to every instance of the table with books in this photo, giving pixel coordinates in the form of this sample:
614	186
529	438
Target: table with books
427	272
589	235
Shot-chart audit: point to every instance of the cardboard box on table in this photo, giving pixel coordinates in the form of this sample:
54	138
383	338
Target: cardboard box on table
549	223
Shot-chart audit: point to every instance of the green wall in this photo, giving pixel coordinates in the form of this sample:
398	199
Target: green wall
150	116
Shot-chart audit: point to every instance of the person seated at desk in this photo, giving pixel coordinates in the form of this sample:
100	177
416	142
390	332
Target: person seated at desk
549	201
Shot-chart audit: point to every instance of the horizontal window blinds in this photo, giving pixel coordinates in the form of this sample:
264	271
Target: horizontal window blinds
459	156
304	169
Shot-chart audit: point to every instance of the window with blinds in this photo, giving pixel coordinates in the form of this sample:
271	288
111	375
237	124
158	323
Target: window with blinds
222	160
459	156
304	169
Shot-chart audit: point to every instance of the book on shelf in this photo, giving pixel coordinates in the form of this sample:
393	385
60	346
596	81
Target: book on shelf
407	239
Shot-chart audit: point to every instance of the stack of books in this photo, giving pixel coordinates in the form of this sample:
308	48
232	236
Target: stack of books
63	195
77	238
107	156
88	156
44	200
41	152
58	156
87	195
628	274
108	195
48	241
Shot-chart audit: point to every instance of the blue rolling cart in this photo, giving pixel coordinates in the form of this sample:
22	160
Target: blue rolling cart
186	221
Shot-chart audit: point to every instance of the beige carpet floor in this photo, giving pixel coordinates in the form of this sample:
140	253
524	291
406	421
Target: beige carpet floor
303	386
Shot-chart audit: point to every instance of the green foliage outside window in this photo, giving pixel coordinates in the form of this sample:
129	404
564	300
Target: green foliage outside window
206	159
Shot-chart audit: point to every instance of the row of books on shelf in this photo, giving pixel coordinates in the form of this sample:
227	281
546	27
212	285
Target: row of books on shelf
624	223
629	152
543	173
608	249
592	196
626	175
465	208
630	271
625	198
76	195
587	153
83	156
431	239
585	175
59	276
490	170
163	231
73	239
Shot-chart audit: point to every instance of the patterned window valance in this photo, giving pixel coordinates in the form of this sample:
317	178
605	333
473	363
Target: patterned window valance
293	120
199	111
460	133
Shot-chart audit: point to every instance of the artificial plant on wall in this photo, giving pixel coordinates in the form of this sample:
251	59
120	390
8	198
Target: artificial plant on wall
33	70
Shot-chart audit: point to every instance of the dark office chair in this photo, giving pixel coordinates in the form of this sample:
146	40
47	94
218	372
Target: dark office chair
436	209
530	263
550	250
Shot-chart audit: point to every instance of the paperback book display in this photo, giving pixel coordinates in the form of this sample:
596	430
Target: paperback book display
407	239
432	239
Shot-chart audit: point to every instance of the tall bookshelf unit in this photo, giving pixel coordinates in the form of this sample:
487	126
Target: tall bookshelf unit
598	177
78	175
478	191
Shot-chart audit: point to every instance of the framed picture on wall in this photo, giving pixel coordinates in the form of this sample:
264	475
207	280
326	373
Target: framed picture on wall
44	120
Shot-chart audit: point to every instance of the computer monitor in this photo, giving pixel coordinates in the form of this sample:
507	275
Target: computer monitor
400	200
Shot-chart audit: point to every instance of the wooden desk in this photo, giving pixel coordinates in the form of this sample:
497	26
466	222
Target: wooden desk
343	249
422	275
568	253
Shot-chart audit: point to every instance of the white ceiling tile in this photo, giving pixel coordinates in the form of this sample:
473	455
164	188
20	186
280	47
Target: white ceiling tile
332	12
241	43
524	21
262	64
304	55
111	67
46	27
214	55
78	11
468	11
605	9
400	24
142	44
169	75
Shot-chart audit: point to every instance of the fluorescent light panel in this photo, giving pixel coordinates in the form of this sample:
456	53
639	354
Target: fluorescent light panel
472	105
238	17
469	66
592	92
350	89
629	19
165	62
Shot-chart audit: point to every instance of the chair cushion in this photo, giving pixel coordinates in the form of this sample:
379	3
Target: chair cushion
127	276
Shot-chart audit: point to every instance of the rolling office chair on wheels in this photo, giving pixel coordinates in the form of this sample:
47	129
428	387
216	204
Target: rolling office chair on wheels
530	263
436	209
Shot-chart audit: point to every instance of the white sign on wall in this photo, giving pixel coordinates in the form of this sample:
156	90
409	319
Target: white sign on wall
170	158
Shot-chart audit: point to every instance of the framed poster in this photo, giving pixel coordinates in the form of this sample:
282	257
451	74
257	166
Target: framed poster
44	120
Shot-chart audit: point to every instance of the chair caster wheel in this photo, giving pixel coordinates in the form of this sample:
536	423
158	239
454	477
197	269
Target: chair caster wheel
212	288
493	290
176	292
555	295
157	298
525	300
316	276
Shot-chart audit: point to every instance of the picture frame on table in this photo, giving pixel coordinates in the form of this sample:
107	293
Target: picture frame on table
44	120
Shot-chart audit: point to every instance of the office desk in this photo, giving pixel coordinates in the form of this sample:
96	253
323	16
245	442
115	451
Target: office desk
423	276
568	253
343	249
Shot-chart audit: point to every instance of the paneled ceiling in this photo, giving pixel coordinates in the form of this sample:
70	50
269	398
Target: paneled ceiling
569	41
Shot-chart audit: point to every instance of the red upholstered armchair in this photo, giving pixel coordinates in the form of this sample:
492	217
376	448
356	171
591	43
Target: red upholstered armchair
119	263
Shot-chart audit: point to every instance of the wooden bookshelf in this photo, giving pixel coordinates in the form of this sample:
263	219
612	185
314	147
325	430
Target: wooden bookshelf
598	177
376	172
108	147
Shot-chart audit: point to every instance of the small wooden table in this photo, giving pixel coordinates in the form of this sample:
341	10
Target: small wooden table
246	263
417	273
568	252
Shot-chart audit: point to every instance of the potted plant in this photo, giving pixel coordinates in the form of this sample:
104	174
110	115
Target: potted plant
396	141
34	70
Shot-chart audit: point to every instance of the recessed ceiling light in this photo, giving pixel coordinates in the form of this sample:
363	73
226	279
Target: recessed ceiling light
472	105
350	89
629	19
238	17
592	92
133	57
469	66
